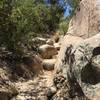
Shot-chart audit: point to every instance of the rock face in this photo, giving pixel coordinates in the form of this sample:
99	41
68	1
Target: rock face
79	60
66	41
80	65
86	21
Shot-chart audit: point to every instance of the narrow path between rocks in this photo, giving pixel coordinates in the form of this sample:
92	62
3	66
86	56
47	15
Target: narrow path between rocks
35	89
39	87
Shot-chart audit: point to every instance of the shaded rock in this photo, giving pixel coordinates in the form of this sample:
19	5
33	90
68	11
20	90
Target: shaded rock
51	91
48	64
56	37
96	62
7	90
47	51
28	68
34	63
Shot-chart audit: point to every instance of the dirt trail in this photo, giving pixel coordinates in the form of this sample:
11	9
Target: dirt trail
35	89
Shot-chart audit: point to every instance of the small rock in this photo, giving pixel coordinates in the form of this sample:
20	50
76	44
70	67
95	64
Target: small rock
49	42
48	64
39	39
59	86
51	91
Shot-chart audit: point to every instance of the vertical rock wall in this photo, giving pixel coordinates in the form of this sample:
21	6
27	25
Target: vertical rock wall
86	21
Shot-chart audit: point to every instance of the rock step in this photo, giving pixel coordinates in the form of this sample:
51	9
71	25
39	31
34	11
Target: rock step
47	51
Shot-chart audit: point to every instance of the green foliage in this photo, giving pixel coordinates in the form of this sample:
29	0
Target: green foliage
64	22
21	20
63	26
73	3
56	12
7	27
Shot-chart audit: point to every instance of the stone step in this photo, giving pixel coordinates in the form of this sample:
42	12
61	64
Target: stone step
47	51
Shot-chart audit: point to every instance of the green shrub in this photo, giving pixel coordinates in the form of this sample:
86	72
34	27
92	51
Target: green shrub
63	27
21	20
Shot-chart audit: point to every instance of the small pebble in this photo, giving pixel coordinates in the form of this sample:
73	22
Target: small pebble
53	90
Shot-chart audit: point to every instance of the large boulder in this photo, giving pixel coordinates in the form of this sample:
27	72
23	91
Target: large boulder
47	51
80	66
65	42
86	22
33	64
